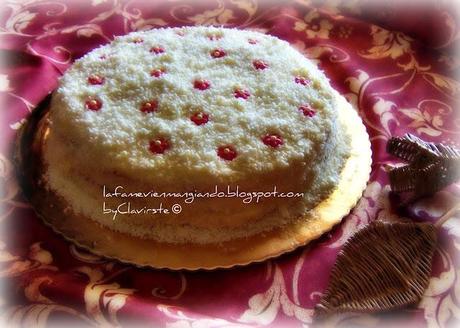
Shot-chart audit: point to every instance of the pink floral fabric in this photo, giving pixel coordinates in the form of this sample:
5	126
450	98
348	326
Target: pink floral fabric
398	83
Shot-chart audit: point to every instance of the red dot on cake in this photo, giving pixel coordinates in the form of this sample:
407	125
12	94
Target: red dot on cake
301	80
93	104
138	40
157	72
227	152
259	64
241	93
273	140
253	41
149	106
307	110
157	50
95	79
200	118
159	145
201	84
218	53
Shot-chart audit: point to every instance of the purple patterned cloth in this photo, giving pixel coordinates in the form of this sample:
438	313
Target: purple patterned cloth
399	83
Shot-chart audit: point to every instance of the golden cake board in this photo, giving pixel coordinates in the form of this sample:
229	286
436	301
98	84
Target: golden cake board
99	240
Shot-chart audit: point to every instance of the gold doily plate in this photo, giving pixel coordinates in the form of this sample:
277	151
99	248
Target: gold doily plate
89	235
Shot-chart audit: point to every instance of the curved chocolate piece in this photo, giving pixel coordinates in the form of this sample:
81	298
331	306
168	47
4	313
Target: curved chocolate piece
430	168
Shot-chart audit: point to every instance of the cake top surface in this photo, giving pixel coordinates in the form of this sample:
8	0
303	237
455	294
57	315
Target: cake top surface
222	101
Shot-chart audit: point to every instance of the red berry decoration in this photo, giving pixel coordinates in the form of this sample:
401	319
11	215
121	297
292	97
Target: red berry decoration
157	50
200	118
227	152
273	140
218	53
95	79
307	110
252	41
240	93
157	72
93	104
302	80
159	145
259	64
138	40
201	84
149	106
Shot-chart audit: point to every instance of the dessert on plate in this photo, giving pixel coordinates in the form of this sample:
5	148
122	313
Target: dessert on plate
192	111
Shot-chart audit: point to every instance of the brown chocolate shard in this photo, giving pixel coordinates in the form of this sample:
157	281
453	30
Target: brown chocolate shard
430	168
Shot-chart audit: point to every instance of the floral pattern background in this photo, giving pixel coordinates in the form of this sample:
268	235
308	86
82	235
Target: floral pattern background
401	77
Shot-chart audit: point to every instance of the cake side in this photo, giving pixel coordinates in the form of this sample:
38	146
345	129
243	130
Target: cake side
87	200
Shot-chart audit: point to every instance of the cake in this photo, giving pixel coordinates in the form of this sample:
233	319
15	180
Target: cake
234	132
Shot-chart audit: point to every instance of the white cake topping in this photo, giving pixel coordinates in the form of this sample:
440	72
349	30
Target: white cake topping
155	84
187	109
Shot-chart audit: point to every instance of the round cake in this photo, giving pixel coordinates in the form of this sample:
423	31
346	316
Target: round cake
194	135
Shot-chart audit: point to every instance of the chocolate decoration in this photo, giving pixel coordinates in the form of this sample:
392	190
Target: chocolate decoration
383	266
431	166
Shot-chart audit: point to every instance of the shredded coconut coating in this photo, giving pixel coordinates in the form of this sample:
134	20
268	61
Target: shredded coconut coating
119	133
247	84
